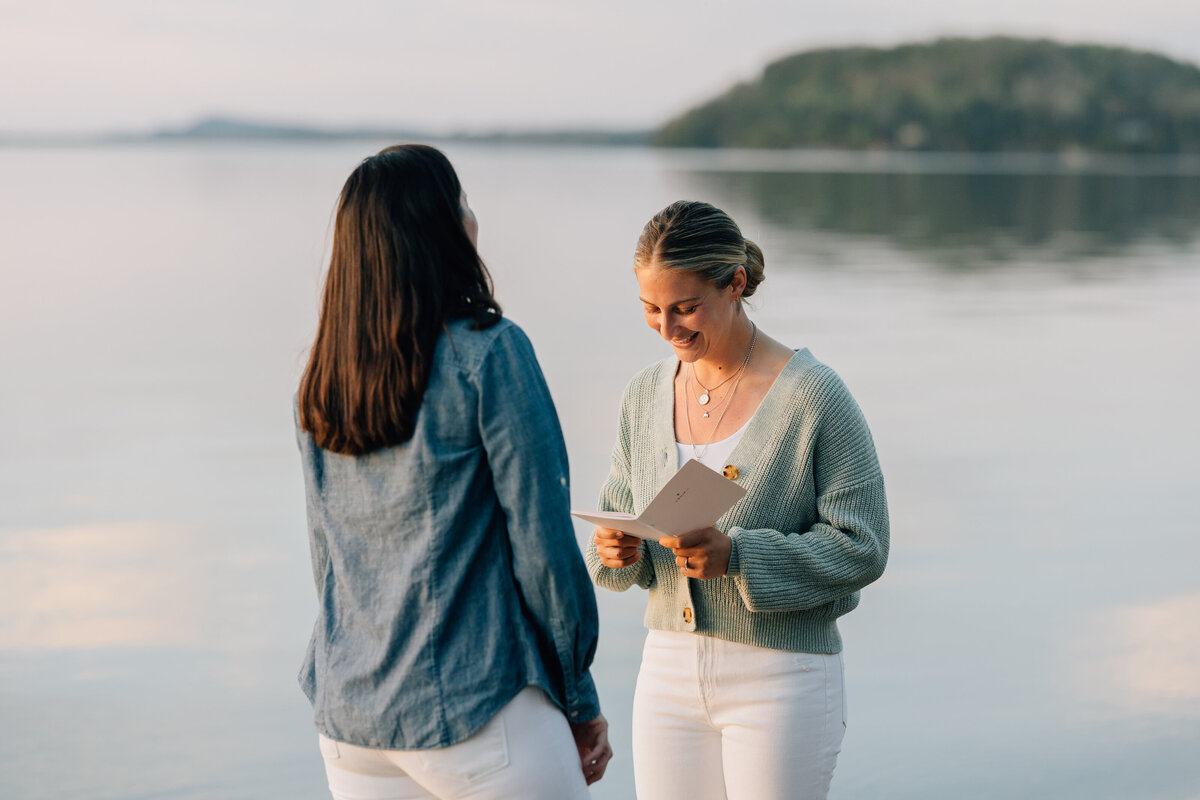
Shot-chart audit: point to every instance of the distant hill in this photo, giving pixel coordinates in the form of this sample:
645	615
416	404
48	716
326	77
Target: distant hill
982	95
239	129
236	129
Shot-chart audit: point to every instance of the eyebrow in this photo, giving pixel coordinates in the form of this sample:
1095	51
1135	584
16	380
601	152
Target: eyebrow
676	303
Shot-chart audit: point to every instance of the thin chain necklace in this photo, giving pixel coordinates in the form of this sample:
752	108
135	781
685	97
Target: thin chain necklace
715	408
707	411
687	409
704	398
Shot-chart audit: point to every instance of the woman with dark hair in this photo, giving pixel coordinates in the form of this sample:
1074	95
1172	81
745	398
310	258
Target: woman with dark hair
740	692
456	624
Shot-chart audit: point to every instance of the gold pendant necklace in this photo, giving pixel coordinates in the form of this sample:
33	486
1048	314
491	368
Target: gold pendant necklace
687	407
707	395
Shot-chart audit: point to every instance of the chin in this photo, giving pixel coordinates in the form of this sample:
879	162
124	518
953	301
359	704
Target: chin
688	354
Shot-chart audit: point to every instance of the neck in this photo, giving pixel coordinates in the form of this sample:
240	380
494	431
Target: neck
719	363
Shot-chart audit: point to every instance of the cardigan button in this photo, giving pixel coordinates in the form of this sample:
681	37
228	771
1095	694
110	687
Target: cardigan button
687	616
730	472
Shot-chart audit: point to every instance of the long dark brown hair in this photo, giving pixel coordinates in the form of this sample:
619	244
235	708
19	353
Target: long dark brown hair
402	265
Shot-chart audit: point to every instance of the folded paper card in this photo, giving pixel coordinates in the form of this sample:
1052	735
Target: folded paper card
694	498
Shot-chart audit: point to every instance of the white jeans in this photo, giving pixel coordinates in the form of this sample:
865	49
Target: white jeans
715	719
525	751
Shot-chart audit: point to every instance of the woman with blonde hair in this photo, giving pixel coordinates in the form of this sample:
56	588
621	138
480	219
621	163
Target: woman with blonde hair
740	692
455	622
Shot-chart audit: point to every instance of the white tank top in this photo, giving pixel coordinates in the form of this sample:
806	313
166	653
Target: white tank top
716	455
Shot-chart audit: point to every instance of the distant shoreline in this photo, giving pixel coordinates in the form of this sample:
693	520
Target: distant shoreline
994	103
227	129
743	160
928	162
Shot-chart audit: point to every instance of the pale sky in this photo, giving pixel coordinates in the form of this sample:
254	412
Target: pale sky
87	65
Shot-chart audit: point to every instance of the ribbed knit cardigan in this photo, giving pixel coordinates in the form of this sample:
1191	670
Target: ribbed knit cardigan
811	531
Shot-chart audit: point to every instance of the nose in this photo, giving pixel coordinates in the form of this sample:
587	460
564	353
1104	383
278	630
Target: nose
666	324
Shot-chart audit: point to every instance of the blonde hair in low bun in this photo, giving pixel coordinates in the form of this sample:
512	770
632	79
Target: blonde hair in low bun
700	238
755	268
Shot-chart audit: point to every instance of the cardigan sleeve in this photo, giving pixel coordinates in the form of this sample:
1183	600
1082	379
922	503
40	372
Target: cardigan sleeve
847	547
617	495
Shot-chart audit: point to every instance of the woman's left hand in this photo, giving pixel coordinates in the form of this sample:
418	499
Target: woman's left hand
591	740
700	554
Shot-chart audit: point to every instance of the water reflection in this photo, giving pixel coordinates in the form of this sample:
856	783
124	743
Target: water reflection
969	221
1149	658
1007	410
123	587
94	586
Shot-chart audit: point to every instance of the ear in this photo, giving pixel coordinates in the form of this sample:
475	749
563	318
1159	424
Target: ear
738	282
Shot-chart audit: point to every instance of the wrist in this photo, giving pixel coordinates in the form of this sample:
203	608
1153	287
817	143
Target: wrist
734	567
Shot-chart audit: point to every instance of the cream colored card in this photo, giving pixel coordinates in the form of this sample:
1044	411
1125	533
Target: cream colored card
694	498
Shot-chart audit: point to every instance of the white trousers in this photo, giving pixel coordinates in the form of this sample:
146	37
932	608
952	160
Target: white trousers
715	720
525	751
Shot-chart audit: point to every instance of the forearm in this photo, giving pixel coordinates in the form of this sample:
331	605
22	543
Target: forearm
799	570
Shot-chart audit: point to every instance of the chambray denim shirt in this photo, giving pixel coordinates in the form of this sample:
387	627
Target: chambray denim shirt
446	568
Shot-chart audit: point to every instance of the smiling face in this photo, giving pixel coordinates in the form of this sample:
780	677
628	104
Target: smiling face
696	317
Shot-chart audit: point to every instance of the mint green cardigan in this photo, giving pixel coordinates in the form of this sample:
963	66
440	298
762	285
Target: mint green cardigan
811	531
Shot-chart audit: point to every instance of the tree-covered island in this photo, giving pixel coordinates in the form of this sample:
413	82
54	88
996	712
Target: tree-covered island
996	94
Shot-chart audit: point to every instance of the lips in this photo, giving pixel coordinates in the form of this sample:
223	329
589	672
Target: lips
686	340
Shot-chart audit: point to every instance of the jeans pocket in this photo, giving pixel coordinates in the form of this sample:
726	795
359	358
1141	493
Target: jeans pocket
484	754
803	662
329	748
491	752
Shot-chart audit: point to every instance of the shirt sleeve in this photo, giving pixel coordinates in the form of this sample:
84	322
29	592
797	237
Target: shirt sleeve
847	547
617	495
528	460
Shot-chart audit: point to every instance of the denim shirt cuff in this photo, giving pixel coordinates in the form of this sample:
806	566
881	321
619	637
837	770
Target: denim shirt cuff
583	703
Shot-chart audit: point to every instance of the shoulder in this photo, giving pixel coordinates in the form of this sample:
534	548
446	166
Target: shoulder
470	348
647	389
814	385
649	380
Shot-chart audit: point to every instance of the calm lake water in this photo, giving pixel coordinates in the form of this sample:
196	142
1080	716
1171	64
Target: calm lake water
1024	342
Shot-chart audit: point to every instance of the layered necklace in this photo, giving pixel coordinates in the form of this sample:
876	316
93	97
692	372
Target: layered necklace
706	397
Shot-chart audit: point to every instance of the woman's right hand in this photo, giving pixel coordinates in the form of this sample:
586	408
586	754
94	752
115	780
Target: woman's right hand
616	549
